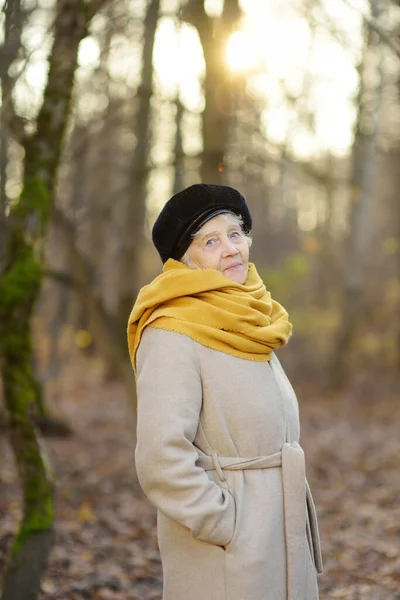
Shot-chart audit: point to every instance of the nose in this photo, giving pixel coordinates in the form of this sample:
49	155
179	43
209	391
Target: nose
229	248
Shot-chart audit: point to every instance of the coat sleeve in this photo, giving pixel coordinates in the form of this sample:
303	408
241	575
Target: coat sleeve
169	405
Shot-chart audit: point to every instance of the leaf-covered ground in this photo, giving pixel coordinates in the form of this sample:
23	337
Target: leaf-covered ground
105	540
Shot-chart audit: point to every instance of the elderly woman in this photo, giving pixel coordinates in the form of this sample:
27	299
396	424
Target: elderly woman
218	427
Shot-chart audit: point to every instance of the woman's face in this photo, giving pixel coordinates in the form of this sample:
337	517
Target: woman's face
221	245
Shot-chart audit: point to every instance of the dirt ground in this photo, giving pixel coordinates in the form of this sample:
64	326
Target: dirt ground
105	538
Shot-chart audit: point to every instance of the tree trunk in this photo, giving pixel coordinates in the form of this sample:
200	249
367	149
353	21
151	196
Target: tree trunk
19	287
219	89
3	196
179	155
13	19
396	163
136	204
361	190
100	323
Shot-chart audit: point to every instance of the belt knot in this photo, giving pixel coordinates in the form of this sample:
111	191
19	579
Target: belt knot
217	465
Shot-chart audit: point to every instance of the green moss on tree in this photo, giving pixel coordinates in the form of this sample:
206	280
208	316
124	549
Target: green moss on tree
19	287
40	518
35	198
24	274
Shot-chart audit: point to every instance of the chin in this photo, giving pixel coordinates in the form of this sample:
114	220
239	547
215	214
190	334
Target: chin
237	277
241	280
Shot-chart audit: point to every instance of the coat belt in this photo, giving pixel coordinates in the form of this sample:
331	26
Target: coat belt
299	511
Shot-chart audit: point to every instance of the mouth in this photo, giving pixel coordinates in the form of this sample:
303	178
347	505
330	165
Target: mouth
234	266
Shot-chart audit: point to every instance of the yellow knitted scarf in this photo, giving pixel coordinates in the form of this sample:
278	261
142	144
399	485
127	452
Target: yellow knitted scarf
241	320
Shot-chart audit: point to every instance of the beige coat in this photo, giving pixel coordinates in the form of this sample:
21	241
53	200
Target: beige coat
228	528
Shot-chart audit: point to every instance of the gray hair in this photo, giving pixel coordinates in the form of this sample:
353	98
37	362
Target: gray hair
231	218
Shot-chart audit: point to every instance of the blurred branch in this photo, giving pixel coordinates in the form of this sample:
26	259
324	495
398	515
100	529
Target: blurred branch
61	277
14	18
193	12
11	124
231	11
361	186
4	157
310	15
93	8
135	207
373	24
101	323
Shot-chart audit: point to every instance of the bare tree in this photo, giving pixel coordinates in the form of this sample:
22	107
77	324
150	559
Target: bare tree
13	20
109	214
102	324
219	89
134	213
20	282
361	192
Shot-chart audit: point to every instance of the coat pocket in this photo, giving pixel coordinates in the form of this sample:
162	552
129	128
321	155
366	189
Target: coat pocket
227	491
312	531
229	544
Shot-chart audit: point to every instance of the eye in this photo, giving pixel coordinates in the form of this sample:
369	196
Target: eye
236	234
210	241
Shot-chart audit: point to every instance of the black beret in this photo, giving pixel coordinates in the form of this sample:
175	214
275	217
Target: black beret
188	210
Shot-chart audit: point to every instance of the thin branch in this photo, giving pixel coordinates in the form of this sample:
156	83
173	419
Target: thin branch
101	323
231	11
93	8
11	123
374	26
14	19
193	12
61	277
326	23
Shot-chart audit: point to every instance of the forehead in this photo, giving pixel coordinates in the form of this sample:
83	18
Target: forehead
219	223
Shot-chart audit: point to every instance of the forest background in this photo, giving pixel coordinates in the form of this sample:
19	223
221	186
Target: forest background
107	108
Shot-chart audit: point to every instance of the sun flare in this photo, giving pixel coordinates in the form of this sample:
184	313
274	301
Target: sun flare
241	53
285	63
